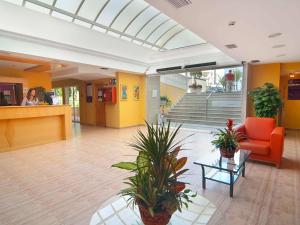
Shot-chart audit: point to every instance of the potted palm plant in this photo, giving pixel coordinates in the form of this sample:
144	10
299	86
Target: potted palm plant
227	140
154	185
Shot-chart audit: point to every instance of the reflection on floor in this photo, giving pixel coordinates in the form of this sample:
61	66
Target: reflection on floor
67	181
117	212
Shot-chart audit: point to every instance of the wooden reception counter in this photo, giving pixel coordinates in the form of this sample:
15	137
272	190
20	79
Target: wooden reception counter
23	126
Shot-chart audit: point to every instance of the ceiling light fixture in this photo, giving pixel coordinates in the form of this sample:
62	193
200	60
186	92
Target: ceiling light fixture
278	46
231	46
275	35
231	23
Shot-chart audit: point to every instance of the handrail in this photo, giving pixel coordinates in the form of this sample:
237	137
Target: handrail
207	98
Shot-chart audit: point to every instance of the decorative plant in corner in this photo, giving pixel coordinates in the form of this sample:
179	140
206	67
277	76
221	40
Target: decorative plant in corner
227	140
267	100
154	185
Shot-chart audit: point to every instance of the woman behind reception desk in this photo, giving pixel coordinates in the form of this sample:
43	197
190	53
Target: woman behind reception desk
30	98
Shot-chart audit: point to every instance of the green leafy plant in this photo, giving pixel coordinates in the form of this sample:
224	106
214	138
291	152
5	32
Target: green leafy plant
165	101
227	138
266	100
155	183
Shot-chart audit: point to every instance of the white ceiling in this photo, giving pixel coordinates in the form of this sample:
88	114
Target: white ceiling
255	21
16	65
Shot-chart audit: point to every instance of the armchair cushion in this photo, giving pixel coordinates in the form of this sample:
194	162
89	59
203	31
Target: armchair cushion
256	146
259	128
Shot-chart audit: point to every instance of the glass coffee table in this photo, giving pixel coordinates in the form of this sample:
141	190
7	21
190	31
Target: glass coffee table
223	170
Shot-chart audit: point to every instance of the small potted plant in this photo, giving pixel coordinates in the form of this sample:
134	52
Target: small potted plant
154	185
227	140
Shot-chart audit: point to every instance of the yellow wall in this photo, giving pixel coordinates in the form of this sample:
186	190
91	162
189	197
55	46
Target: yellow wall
173	93
291	112
33	79
132	112
124	113
278	74
259	75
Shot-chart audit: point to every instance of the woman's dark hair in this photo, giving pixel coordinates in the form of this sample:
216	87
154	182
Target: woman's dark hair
29	94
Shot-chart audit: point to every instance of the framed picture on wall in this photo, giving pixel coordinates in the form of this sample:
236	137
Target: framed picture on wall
136	93
89	93
124	95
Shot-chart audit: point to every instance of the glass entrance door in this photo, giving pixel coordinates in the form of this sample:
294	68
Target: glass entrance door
72	98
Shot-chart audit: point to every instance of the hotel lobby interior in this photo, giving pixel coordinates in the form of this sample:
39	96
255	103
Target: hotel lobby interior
155	112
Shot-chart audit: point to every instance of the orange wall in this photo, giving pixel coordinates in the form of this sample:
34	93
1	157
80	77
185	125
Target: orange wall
33	79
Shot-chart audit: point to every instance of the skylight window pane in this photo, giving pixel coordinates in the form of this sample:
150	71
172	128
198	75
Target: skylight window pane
151	26
161	30
91	8
129	13
82	23
141	20
184	39
16	2
111	11
62	16
48	2
38	8
169	34
68	5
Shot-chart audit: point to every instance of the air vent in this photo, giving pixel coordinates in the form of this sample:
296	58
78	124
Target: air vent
255	61
200	65
278	46
170	70
231	46
179	3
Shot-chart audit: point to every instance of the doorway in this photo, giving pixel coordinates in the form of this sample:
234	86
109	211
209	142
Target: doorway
71	95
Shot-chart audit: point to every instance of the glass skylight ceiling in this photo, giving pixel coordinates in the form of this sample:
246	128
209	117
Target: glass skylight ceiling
132	20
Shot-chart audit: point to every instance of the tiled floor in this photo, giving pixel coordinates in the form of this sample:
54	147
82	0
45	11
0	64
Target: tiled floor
66	182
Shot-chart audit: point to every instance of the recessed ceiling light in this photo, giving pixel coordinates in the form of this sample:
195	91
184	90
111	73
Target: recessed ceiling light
231	46
278	46
231	23
255	61
275	35
280	55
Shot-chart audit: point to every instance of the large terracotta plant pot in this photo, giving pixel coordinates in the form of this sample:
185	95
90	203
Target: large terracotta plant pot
227	153
161	218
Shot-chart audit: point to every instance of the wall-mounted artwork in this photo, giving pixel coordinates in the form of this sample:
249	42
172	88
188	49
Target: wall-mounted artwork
136	93
294	89
89	93
124	95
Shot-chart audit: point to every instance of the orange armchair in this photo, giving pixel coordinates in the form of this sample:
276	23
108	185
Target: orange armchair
263	138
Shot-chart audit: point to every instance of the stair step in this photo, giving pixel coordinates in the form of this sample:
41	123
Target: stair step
221	114
209	118
203	122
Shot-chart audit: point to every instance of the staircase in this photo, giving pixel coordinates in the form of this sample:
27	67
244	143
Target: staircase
193	109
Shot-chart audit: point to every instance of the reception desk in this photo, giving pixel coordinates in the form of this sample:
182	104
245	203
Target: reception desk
24	126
